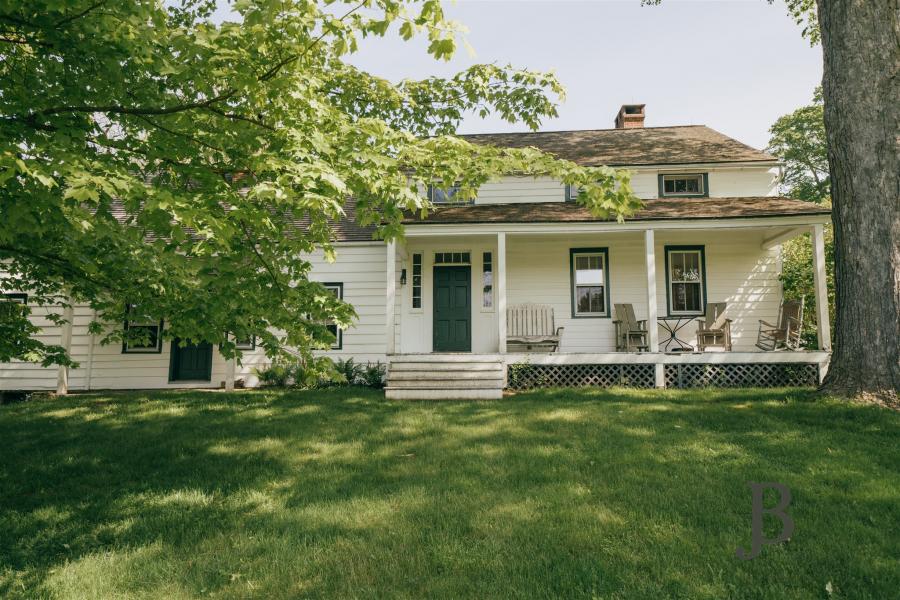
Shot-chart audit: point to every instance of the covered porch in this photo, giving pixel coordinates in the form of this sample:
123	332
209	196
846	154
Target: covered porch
506	265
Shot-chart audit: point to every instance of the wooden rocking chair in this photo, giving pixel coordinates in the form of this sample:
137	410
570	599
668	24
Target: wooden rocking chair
631	334
786	334
714	330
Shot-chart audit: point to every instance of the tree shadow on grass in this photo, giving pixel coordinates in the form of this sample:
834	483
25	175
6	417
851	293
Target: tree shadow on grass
339	492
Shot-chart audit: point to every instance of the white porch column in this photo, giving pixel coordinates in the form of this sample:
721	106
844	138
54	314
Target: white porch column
823	325
652	313
62	374
500	287
391	297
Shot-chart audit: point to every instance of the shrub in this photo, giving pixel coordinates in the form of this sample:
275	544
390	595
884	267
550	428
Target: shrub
373	375
352	372
319	371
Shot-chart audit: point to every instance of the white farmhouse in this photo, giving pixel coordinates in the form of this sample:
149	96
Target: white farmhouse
473	285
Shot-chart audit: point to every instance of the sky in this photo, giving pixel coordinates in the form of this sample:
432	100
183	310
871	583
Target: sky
734	65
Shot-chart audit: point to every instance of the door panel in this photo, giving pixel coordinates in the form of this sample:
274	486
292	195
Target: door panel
192	362
452	309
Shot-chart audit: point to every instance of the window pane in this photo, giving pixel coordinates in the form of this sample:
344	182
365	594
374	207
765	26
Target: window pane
590	299
597	303
589	270
668	186
676	262
692	266
583	299
143	336
693	186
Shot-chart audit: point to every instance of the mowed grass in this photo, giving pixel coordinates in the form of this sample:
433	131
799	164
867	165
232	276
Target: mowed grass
340	493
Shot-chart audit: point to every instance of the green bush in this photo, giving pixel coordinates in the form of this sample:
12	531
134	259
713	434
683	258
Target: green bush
373	375
351	371
304	374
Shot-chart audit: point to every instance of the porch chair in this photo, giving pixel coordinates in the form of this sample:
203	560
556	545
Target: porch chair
531	327
714	330
631	334
786	334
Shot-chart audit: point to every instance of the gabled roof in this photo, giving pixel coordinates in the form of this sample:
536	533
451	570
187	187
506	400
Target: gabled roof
686	144
653	210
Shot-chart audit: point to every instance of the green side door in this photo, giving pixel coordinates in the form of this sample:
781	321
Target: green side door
452	309
192	362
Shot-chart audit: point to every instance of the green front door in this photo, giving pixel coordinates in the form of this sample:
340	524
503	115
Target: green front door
192	362
452	309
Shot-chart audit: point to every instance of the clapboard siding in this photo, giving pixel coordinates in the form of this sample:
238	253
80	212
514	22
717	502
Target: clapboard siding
360	267
723	183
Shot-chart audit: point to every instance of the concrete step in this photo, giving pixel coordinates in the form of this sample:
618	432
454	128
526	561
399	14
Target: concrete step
425	384
444	376
444	358
443	394
454	366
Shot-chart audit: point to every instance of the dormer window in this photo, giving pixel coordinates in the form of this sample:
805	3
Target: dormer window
572	192
448	195
684	185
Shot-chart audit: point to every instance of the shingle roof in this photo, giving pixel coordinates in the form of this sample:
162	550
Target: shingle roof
686	144
654	210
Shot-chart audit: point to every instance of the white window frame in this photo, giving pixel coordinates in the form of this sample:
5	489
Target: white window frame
417	287
487	287
453	261
671	281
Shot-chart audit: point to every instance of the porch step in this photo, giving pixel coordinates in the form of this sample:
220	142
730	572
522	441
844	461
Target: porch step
445	377
403	394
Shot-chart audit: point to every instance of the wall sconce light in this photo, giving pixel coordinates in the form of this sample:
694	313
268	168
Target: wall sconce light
402	276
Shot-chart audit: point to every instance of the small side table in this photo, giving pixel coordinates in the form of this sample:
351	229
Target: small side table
672	325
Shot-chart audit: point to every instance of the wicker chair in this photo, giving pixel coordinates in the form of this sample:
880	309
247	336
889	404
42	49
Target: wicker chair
714	330
786	334
631	334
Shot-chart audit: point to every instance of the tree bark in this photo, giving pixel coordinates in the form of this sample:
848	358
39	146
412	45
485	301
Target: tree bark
861	84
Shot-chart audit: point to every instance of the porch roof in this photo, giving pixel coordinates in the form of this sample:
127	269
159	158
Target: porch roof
653	210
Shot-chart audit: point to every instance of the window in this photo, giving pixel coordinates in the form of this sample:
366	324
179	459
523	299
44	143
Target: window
338	290
417	281
572	193
685	280
590	282
694	184
448	195
142	334
452	258
487	280
17	298
248	343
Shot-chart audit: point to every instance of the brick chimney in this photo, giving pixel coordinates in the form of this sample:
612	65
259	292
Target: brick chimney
630	116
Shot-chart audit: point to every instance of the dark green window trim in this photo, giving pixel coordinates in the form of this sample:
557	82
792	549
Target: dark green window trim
703	300
606	292
17	297
338	332
662	190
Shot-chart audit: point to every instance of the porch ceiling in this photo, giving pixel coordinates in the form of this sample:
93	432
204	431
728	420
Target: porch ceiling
653	210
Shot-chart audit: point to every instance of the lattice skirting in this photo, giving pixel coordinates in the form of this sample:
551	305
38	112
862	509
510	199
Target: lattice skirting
527	376
742	375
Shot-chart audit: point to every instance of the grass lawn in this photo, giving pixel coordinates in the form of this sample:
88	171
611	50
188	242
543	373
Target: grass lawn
339	493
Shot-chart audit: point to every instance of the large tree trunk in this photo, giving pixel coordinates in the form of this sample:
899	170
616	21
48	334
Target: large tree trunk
861	45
